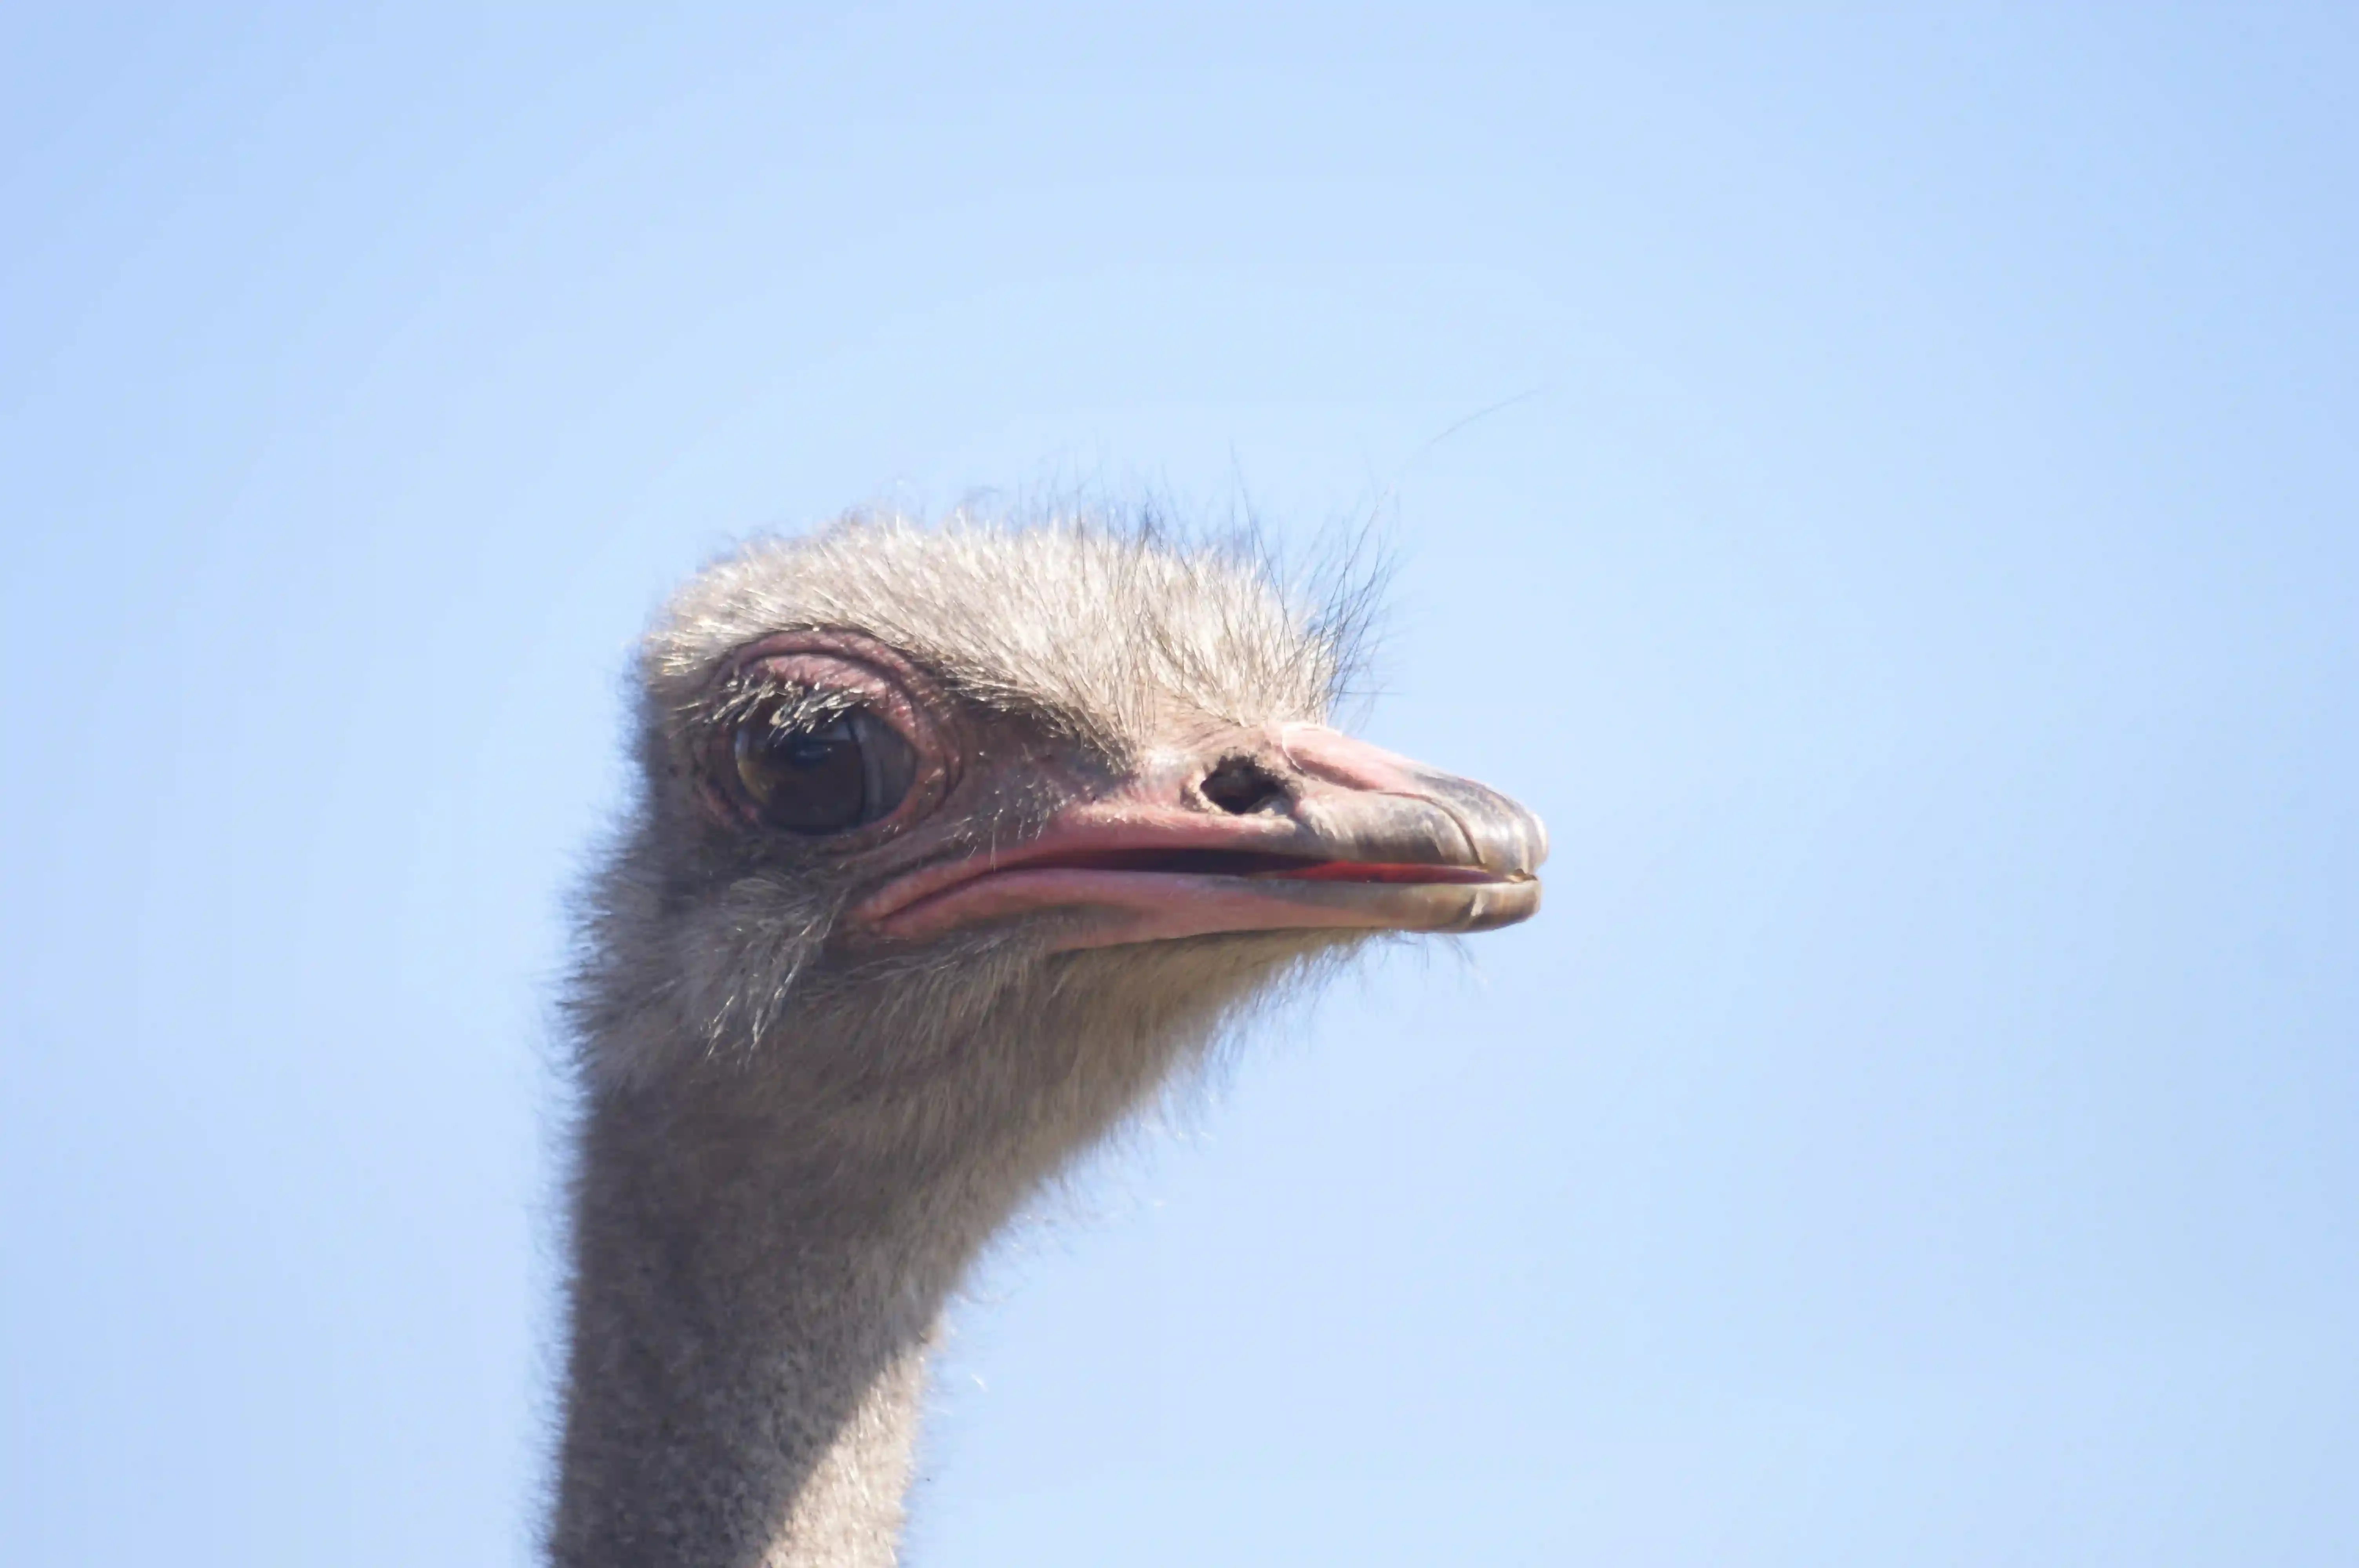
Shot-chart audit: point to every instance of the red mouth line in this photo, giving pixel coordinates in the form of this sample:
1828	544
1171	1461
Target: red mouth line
1202	862
1253	864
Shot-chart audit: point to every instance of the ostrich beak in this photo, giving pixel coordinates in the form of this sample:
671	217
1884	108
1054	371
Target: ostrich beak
1290	827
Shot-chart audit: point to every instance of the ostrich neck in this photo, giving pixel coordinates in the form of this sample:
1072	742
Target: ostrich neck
751	1323
762	1251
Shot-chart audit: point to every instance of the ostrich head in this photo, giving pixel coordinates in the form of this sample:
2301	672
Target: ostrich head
953	840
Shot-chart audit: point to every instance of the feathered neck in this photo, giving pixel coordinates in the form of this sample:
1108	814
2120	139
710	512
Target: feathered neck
764	1242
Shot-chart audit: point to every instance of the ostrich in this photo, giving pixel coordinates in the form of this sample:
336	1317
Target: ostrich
952	843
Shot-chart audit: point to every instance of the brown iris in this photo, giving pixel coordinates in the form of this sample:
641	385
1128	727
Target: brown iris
824	777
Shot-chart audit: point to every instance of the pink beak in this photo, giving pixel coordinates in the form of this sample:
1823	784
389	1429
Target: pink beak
1289	828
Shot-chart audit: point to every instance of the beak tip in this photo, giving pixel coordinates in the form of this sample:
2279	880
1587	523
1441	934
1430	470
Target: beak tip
1510	904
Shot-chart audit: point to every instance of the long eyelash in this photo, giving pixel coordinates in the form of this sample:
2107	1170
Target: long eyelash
791	705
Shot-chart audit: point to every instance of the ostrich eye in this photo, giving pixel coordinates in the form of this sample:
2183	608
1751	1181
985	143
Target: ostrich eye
847	773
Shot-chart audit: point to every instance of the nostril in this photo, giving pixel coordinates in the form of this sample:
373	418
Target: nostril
1241	786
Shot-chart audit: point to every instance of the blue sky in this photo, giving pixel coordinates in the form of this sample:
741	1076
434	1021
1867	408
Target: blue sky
1913	573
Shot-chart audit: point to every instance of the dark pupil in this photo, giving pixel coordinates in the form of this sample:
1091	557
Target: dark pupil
850	771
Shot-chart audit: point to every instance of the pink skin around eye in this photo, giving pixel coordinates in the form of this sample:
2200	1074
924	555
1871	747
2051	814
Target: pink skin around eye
883	684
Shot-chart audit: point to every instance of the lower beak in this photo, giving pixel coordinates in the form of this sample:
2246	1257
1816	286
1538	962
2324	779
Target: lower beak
1329	834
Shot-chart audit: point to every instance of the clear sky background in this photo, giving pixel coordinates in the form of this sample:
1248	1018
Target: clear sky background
1915	580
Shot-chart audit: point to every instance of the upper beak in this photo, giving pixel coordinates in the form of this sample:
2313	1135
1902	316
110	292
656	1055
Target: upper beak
1288	827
